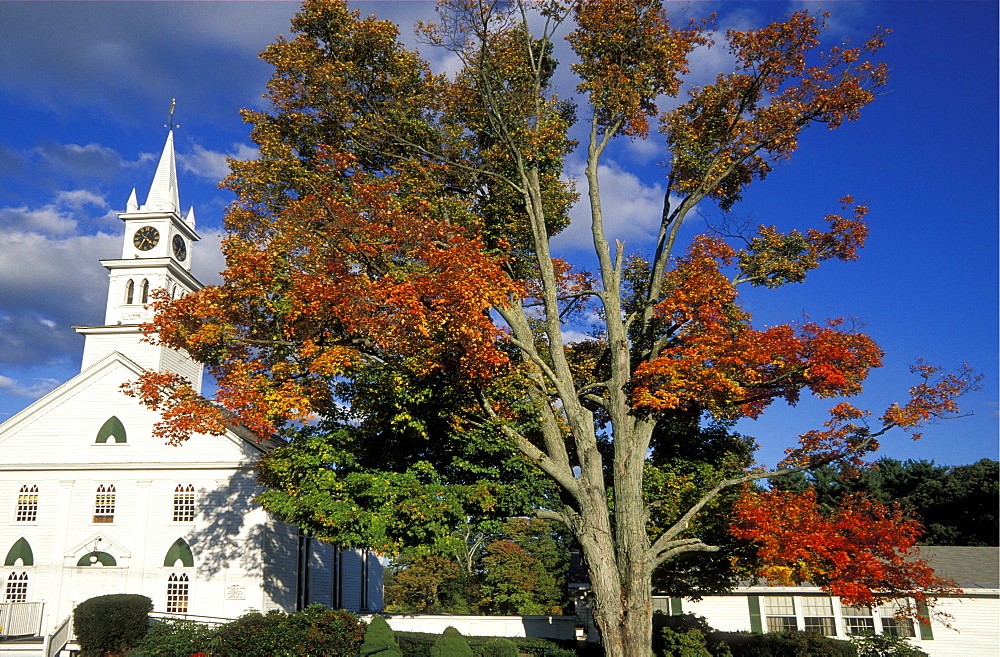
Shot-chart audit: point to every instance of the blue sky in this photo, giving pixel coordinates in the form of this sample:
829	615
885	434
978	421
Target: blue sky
84	93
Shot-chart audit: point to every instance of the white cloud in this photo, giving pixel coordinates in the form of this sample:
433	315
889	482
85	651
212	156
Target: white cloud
33	390
77	198
213	165
207	260
631	209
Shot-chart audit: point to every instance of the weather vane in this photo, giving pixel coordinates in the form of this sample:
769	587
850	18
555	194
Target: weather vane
170	119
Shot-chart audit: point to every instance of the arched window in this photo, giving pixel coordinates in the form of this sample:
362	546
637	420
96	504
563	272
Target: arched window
20	554
97	559
113	427
104	503
177	593
179	555
27	504
184	503
144	291
129	291
17	587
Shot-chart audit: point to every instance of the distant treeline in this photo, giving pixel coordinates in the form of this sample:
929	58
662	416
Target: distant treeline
957	504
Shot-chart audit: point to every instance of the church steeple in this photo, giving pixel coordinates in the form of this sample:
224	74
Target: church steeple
163	195
156	255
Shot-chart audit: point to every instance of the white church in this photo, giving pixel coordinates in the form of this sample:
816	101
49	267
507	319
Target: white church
96	505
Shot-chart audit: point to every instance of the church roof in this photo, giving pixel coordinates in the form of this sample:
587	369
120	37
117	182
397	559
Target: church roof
163	195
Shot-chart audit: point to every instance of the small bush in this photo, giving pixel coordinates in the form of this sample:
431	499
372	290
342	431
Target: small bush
885	645
688	635
175	638
451	644
499	647
379	640
112	623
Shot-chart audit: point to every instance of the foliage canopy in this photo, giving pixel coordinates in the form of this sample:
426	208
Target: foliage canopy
391	302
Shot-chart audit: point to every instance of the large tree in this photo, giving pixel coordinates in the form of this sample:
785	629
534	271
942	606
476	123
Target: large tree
392	304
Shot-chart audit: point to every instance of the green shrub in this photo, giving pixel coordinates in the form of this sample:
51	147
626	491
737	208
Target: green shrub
112	623
885	645
379	640
315	630
782	644
451	643
499	647
175	638
419	644
687	635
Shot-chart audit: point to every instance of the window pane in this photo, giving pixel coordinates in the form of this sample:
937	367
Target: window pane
27	504
780	623
858	625
817	606
177	594
821	625
17	587
779	605
898	627
856	611
184	503
104	504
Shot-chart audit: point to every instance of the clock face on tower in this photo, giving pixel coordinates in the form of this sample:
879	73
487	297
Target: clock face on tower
180	248
146	238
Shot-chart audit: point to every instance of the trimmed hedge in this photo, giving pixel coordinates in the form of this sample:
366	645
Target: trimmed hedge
379	640
782	644
113	623
418	644
451	643
315	630
174	638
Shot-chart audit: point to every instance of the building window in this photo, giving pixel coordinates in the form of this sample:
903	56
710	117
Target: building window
27	504
184	503
104	503
177	593
817	613
858	620
179	555
112	428
17	587
144	291
780	612
20	554
129	291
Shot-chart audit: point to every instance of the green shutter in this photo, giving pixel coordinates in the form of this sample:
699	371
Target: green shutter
179	550
20	550
926	633
113	427
755	623
675	607
104	558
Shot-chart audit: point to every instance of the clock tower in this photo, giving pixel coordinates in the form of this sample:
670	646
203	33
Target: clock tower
156	255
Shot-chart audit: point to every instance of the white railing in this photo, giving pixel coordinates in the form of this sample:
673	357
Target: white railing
21	618
55	642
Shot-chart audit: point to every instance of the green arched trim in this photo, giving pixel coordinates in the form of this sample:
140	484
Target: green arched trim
21	550
179	550
103	557
113	427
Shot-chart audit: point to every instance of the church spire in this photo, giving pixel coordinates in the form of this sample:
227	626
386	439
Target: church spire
163	196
